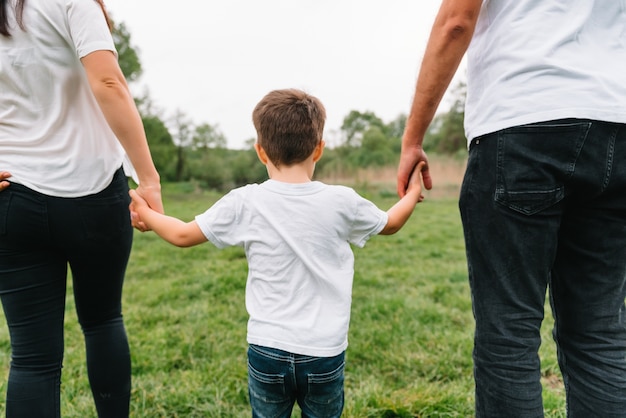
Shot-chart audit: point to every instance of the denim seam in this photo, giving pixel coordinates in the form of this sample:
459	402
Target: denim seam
609	159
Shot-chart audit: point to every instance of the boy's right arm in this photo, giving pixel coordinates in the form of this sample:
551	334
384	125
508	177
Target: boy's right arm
172	230
401	211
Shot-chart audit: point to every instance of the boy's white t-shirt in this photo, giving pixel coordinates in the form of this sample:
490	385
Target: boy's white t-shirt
297	241
53	136
523	68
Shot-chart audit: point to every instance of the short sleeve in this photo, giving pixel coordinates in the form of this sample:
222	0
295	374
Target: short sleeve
368	220
88	27
221	222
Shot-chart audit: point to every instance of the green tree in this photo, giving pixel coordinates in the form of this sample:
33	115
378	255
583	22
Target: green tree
161	144
356	123
376	149
446	133
395	128
246	167
183	138
210	167
208	158
208	136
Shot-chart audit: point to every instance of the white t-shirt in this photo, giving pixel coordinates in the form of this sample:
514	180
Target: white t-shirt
53	137
300	265
537	60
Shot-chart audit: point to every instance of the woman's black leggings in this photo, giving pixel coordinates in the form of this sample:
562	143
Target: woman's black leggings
39	237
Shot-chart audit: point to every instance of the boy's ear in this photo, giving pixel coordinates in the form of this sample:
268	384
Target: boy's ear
318	151
260	152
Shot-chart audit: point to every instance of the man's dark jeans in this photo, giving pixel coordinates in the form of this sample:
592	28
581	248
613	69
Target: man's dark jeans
544	206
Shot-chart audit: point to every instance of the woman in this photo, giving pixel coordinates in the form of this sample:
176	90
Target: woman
66	120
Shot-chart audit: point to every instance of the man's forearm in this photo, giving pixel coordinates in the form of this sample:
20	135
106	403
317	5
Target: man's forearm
449	39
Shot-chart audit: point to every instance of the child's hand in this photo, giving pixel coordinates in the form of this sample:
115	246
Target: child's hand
136	203
415	181
137	200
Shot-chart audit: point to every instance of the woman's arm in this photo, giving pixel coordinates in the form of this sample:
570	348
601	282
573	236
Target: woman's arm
116	102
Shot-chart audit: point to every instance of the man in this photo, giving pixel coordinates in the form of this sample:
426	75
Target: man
543	202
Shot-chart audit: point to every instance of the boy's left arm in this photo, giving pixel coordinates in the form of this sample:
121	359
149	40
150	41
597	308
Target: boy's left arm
402	210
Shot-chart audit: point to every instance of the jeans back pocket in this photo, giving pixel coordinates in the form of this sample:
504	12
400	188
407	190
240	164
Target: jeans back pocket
534	163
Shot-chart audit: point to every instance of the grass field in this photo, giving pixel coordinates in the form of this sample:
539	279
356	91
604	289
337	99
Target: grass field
410	335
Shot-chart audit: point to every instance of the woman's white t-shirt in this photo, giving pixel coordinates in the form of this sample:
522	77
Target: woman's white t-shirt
53	137
300	264
537	60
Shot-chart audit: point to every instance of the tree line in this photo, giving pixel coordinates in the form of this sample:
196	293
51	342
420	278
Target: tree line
186	151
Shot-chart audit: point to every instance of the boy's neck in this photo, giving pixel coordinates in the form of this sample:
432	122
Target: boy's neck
297	173
301	172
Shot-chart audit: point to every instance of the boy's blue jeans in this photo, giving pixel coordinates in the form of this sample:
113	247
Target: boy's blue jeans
277	379
39	236
544	206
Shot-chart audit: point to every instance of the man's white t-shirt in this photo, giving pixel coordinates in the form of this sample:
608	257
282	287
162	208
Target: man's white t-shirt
53	137
537	60
300	264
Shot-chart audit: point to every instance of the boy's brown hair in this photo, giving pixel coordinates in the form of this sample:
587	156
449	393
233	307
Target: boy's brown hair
289	125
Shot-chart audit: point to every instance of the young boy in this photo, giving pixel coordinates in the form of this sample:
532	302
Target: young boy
296	234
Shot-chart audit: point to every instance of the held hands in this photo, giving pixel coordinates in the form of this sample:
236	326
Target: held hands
138	202
415	181
410	161
399	213
3	183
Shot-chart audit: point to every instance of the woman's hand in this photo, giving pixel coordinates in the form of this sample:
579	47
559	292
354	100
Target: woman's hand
150	195
3	183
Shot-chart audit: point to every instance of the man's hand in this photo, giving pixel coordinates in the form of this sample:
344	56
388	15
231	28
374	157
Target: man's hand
410	160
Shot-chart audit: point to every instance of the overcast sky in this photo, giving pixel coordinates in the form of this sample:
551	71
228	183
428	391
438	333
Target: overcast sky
214	60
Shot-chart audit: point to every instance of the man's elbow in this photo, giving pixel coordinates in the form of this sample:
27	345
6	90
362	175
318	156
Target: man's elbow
460	25
459	30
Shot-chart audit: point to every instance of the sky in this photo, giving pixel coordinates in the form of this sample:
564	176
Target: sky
214	60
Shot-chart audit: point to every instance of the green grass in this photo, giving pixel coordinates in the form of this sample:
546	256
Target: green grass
410	334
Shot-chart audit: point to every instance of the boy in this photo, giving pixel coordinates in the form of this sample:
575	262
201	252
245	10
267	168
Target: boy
296	234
